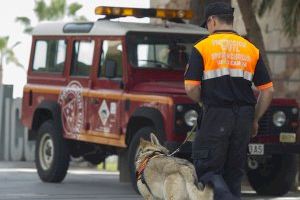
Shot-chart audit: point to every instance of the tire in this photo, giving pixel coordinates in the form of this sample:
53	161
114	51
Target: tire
275	177
51	153
141	133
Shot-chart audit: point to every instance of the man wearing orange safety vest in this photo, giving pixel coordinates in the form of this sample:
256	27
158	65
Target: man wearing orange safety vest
220	73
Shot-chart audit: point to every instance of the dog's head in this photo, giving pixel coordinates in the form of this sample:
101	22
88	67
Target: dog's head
148	147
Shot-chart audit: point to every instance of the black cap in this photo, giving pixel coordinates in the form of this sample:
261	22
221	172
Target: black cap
217	8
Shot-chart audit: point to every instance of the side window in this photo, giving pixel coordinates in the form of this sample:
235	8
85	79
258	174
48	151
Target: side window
49	56
82	59
111	51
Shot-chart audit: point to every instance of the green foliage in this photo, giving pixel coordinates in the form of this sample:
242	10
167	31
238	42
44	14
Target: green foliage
41	10
80	18
73	8
25	21
6	53
3	43
11	58
56	10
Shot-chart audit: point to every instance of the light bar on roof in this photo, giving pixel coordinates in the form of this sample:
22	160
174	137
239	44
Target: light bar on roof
143	12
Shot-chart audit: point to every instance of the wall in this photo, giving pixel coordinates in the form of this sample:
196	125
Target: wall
283	54
14	145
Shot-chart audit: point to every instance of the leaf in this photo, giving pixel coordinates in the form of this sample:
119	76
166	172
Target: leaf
28	30
80	18
73	8
11	58
3	42
57	9
14	45
41	10
23	20
26	22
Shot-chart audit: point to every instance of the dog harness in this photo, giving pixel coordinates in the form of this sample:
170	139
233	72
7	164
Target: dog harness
141	168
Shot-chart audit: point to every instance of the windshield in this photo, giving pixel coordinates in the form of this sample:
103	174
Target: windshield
160	50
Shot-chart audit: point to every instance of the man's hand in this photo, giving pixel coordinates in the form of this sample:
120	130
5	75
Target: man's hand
263	102
193	91
255	128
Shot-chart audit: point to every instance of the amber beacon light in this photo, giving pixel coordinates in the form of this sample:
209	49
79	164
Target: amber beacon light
144	12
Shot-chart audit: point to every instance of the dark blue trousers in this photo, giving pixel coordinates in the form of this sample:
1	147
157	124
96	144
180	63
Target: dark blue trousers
220	147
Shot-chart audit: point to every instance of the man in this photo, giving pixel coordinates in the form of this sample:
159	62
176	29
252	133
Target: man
219	74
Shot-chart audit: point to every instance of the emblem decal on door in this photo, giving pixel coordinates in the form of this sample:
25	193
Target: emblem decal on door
72	109
104	112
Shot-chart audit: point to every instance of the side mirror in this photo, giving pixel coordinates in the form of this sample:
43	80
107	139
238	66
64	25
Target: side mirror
110	68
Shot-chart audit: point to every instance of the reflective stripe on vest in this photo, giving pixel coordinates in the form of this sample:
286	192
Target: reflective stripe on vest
228	54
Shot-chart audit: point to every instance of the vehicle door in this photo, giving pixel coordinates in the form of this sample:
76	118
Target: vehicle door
107	89
74	96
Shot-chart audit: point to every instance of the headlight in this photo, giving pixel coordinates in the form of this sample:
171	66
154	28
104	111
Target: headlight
179	108
190	117
294	111
279	118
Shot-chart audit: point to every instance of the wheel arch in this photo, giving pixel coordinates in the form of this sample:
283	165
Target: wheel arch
44	111
145	116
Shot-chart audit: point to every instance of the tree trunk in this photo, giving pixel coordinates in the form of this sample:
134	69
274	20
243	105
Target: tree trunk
252	28
198	7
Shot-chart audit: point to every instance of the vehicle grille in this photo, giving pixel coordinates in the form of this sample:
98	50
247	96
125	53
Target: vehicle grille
265	123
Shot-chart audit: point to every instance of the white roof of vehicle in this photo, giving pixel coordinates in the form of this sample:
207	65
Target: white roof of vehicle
106	27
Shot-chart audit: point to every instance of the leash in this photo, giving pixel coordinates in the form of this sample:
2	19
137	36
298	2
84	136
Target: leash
185	140
187	137
140	170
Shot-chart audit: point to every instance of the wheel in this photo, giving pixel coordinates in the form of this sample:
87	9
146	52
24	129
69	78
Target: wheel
51	153
275	176
141	133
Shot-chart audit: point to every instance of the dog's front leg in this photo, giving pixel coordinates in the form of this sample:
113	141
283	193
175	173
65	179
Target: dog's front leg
144	191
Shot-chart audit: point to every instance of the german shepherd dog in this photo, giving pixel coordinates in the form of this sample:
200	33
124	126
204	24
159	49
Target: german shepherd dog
160	176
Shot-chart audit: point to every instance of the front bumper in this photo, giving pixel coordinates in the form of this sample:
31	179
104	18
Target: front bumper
282	148
269	149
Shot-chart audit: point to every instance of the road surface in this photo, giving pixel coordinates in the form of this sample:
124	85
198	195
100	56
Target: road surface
19	180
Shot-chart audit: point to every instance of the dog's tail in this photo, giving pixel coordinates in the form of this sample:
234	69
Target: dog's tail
195	193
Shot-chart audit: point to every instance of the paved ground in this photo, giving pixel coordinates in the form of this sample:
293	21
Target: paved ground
19	180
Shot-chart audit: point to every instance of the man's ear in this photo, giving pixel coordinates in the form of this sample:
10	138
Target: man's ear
154	139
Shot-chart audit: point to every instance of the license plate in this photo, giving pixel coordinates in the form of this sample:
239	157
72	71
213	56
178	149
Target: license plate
256	149
287	137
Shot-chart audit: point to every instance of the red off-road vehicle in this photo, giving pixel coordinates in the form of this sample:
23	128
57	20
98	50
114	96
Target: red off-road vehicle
95	88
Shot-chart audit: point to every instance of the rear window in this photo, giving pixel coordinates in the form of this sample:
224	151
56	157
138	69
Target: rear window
49	56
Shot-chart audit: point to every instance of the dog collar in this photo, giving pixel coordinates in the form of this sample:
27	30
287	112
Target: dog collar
144	163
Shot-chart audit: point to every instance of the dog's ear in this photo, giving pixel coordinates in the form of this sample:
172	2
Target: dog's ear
154	139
